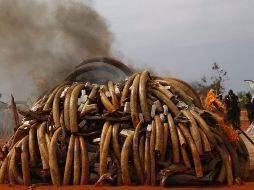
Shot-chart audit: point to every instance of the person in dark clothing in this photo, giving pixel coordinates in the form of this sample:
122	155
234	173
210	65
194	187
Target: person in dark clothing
233	110
250	107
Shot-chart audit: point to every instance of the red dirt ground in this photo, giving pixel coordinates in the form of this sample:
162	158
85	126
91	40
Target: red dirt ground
249	185
246	186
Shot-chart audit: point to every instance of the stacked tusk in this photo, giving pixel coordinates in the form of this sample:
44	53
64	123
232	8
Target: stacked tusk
145	131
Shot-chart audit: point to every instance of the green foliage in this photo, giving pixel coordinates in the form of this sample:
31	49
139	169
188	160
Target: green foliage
216	81
243	98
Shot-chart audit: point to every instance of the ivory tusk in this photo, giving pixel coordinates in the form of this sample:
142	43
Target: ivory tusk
25	161
194	131
43	146
166	101
174	139
56	109
115	144
53	160
85	162
69	161
135	151
194	151
134	101
73	107
144	77
152	154
105	150
125	91
113	94
125	158
76	164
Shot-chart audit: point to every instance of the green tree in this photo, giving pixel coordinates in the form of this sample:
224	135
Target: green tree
216	81
243	98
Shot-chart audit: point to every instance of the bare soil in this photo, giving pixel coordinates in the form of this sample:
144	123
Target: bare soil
246	186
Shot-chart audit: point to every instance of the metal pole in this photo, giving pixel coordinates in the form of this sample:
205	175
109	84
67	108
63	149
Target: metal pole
251	141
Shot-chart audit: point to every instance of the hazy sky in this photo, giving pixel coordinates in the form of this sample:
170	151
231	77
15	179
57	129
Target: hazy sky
182	38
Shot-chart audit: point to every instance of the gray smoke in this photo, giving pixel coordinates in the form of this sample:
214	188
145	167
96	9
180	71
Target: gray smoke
42	41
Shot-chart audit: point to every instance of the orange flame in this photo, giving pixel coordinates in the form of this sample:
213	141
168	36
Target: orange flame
212	103
230	131
226	127
217	109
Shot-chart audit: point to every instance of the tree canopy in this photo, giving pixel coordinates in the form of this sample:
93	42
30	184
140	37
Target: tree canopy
215	81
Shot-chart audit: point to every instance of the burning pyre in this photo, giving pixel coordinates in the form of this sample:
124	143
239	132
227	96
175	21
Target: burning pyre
145	130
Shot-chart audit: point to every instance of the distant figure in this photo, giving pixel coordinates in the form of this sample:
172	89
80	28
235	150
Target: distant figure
213	102
249	104
251	84
233	110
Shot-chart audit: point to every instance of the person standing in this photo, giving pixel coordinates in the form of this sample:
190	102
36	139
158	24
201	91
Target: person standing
233	110
250	107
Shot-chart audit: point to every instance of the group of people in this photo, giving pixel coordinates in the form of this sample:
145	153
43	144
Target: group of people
230	106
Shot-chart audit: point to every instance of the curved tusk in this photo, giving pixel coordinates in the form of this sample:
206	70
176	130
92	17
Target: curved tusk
76	169
84	180
73	107
126	89
104	154
152	154
125	158
134	101
69	161
25	161
142	95
115	144
174	139
135	151
159	144
113	94
194	130
55	107
53	160
166	101
194	151
41	131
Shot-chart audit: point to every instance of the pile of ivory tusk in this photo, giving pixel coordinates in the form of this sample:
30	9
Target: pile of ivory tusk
144	131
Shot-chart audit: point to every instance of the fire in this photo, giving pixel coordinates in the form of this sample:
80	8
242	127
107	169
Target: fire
212	103
226	127
229	131
218	110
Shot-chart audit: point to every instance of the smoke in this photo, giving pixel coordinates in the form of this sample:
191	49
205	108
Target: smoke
42	41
